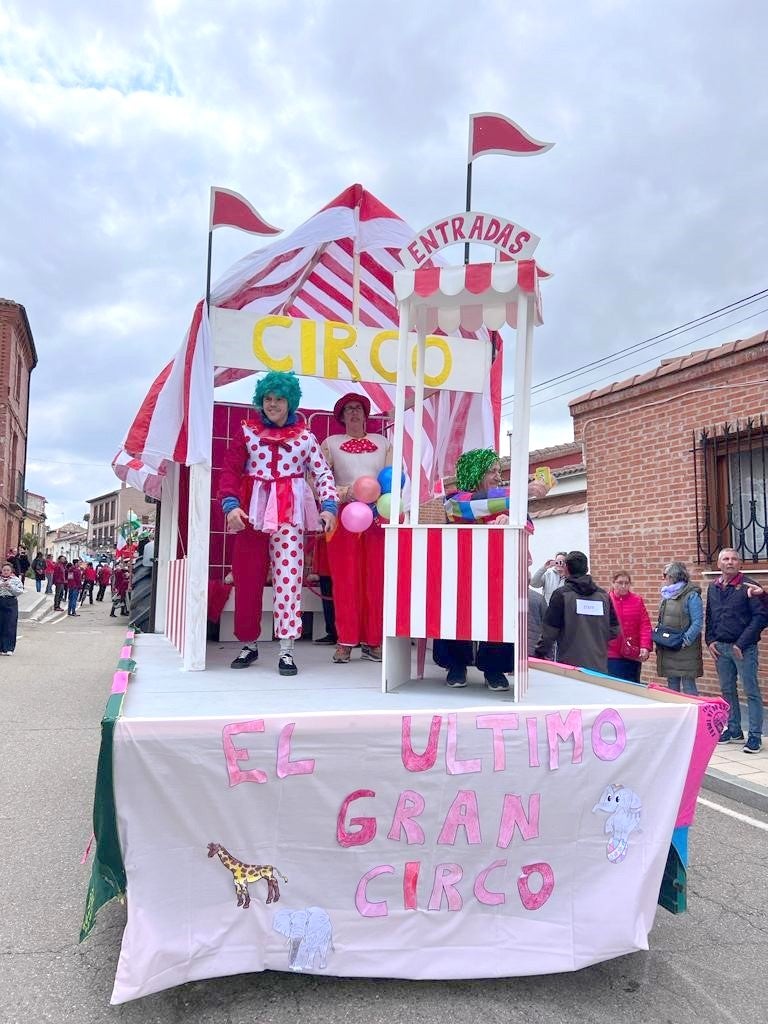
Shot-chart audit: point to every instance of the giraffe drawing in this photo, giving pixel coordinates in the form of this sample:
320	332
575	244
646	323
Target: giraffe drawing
242	874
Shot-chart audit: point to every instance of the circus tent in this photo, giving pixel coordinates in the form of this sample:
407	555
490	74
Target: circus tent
338	266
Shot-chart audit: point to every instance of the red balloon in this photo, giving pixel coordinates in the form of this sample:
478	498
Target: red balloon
366	489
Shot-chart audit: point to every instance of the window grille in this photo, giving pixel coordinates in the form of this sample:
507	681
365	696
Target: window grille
730	465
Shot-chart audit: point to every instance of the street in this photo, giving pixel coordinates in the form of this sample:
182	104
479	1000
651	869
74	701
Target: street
704	966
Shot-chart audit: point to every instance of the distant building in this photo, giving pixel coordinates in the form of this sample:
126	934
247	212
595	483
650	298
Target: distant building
108	511
18	359
34	520
69	540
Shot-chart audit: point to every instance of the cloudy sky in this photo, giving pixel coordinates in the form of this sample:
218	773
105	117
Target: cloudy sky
116	119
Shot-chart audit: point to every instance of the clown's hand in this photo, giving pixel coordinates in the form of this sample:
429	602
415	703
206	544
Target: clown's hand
329	521
236	520
502	520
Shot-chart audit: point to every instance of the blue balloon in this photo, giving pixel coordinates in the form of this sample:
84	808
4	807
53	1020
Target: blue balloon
385	479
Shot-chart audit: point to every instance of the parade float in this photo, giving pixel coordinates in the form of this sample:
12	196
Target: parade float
369	821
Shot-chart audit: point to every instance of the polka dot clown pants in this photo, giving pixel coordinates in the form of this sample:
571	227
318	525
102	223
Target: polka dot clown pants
254	553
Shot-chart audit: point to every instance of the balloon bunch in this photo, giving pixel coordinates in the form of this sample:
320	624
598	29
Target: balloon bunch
370	494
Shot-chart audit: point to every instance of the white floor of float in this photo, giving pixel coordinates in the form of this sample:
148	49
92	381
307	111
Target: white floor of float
161	689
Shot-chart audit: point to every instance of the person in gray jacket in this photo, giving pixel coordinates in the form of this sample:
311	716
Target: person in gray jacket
681	610
551	576
580	619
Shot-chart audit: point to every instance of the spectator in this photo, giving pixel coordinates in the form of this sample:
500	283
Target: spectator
50	565
73	577
103	576
10	588
681	610
23	564
356	559
59	582
628	651
537	608
734	622
89	578
38	568
580	619
551	576
121	582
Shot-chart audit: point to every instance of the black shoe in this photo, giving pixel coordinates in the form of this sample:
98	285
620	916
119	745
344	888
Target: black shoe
496	681
75	615
286	665
727	736
328	640
456	677
112	614
245	658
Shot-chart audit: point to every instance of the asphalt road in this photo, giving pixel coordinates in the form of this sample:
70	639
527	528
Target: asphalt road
708	965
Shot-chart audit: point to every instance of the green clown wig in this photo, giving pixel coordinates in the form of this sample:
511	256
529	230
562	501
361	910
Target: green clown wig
284	385
472	466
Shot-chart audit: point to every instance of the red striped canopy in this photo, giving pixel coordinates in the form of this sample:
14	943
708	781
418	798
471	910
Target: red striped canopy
308	273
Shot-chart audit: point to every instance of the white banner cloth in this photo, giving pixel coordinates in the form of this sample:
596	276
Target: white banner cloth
484	843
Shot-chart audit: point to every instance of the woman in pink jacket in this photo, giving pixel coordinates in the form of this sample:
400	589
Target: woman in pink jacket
628	651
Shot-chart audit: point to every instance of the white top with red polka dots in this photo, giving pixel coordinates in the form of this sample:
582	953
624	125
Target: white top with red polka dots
353	457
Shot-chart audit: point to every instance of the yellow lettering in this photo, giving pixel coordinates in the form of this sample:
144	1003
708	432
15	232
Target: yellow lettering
262	325
336	338
376	363
308	347
435	380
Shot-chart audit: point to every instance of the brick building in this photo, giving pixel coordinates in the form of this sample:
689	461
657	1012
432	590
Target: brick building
18	359
676	463
109	511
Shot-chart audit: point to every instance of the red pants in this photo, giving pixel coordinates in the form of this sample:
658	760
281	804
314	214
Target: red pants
357	571
254	552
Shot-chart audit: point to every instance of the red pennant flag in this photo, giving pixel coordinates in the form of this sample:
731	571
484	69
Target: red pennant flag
492	133
229	209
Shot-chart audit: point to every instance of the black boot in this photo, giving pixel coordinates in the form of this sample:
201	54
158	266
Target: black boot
112	614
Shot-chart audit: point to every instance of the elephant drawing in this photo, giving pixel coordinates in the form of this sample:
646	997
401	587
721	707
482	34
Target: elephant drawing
308	932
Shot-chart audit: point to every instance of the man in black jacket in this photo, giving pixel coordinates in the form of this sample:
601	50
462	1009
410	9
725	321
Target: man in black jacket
580	619
733	624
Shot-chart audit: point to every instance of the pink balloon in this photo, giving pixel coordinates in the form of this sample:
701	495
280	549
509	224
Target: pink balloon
356	516
366	489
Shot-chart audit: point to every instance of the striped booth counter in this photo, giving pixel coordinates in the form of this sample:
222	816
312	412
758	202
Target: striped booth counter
455	583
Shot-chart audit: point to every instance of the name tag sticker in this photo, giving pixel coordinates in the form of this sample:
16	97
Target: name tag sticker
589	607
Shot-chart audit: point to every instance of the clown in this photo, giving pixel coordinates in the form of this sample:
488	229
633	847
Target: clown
480	498
268	503
356	559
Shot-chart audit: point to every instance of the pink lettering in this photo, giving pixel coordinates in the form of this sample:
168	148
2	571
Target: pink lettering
535	900
453	764
429	242
531	724
506	233
457	227
366	907
366	827
413	762
520	239
514	817
499	724
233	754
609	751
494	226
410	881
485	895
441	227
409	806
476	231
285	766
462	813
557	729
413	249
446	877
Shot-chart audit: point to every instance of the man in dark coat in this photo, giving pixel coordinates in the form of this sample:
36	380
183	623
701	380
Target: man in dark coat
580	619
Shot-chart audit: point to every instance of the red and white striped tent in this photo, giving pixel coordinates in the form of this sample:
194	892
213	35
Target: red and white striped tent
337	264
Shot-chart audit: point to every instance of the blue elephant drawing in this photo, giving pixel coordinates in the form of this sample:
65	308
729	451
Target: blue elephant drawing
309	936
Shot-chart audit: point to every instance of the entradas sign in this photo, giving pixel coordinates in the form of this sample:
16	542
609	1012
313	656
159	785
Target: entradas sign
507	238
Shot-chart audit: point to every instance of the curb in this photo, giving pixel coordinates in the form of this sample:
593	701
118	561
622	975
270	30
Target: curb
742	791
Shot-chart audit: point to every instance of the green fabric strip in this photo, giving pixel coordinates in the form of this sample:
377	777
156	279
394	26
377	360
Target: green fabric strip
108	872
